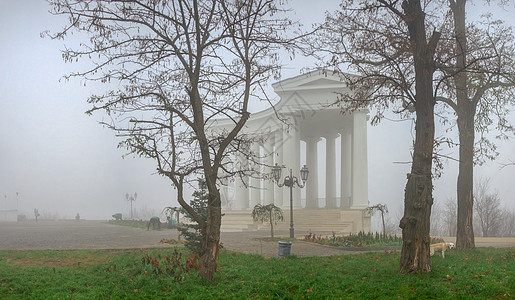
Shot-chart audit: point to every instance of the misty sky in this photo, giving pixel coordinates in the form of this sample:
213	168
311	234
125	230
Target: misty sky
63	162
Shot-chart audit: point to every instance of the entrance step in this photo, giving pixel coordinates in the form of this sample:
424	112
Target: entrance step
316	221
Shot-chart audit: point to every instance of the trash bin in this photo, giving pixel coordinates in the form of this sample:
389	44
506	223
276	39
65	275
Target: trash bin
284	248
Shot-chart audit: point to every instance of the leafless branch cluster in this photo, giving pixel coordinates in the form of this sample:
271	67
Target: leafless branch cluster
491	217
176	66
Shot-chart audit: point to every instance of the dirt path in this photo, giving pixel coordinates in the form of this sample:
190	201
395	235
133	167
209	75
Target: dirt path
61	235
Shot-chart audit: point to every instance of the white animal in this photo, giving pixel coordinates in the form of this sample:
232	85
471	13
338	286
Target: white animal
441	247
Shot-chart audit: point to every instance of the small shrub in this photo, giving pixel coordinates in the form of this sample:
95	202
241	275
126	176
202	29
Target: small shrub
360	239
174	266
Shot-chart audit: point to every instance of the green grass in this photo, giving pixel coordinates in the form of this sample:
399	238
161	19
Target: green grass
485	273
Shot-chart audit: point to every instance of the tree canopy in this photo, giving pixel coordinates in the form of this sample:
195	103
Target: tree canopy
176	66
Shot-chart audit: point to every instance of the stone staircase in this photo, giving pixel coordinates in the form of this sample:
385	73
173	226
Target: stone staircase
237	221
317	221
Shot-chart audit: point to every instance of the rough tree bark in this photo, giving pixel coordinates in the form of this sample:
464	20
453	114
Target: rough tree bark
465	118
415	224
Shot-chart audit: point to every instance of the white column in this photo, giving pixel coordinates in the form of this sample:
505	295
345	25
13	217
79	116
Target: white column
346	168
312	164
224	193
296	165
359	161
278	155
241	193
330	172
255	180
224	185
291	159
267	170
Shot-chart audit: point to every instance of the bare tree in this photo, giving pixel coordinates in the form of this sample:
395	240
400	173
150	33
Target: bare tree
443	218
488	209
384	210
508	222
478	79
450	216
387	45
437	223
178	66
471	68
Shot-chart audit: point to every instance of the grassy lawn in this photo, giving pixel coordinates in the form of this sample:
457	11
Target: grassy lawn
485	273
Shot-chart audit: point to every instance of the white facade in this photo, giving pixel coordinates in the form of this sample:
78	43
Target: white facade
305	114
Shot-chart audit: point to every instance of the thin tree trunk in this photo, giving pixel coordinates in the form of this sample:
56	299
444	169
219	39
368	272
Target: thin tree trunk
384	227
211	244
465	112
418	199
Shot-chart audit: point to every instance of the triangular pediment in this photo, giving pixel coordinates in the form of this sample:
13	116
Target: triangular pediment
321	82
314	80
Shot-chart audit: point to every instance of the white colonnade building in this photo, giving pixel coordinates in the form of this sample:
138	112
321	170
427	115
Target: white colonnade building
304	128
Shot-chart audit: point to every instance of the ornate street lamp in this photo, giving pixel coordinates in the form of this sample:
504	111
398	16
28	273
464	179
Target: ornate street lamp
131	198
290	182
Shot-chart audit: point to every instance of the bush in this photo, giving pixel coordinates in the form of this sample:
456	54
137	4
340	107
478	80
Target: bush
192	232
360	239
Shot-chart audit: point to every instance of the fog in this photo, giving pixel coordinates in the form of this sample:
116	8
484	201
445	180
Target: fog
55	158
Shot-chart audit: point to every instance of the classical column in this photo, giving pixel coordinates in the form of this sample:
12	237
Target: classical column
268	154
224	192
359	161
330	172
241	192
346	168
223	186
291	160
255	180
278	155
296	163
312	164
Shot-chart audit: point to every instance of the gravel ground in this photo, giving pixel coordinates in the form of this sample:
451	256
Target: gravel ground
68	234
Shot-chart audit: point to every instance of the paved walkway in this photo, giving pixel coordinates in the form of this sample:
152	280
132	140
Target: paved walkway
61	235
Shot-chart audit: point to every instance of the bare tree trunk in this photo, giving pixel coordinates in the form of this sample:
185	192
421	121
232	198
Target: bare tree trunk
415	224
465	112
465	230
211	244
384	226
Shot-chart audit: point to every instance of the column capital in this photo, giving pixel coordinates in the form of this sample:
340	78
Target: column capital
331	135
312	138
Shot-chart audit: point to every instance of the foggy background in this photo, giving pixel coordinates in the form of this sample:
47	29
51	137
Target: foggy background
55	158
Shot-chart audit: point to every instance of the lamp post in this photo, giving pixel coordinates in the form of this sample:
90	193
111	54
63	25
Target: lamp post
290	181
131	198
